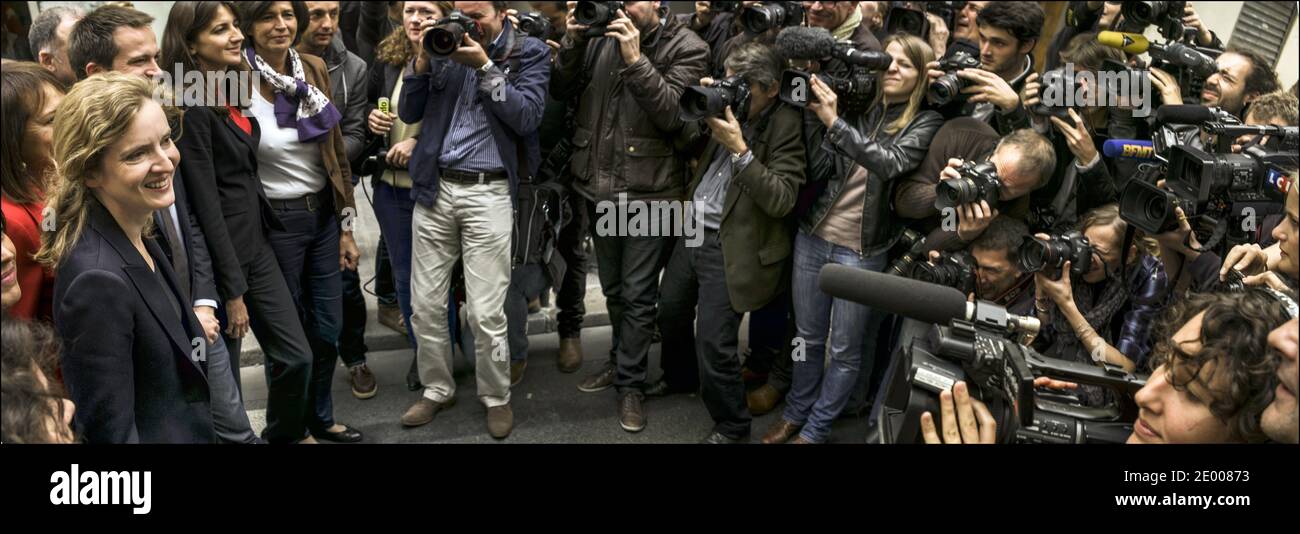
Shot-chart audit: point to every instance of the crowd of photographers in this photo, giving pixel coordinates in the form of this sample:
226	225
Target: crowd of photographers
1130	255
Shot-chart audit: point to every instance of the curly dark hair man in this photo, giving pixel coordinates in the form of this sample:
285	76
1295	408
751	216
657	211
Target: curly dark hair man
1214	374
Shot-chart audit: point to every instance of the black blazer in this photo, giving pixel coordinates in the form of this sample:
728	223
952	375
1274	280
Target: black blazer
127	359
202	284
219	167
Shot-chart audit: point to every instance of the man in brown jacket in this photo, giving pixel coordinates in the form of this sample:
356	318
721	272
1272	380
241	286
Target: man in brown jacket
747	181
628	80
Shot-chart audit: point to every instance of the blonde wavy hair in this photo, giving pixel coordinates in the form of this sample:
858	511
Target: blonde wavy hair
920	54
93	116
396	49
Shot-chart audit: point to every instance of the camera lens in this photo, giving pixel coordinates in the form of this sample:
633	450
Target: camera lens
926	272
945	89
756	19
955	192
591	13
696	103
1034	255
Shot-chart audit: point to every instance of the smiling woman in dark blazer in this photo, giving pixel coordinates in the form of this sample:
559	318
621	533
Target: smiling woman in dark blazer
219	166
134	352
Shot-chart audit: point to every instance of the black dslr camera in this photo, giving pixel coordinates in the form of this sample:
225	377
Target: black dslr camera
763	16
1166	16
596	15
534	25
948	87
698	102
449	33
1050	255
979	181
953	269
909	17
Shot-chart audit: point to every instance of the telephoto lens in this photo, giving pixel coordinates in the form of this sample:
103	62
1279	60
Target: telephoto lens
978	181
1050	255
698	102
449	34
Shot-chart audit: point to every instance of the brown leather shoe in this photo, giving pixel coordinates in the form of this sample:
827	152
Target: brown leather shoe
798	440
600	381
422	412
630	414
500	420
570	355
363	382
780	432
391	316
517	371
762	399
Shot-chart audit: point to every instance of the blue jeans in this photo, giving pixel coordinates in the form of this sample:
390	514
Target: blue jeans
393	209
308	252
819	393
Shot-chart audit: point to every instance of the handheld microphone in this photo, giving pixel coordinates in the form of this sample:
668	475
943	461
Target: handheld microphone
1192	114
1132	43
914	299
798	42
1129	149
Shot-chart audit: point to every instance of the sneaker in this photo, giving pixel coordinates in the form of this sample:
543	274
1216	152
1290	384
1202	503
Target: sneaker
363	382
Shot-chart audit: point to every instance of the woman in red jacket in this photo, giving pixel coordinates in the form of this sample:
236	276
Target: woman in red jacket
30	94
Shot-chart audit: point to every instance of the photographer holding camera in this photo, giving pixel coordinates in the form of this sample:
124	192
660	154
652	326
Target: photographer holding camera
851	223
1094	298
1214	379
1022	162
478	90
746	183
1008	32
628	83
716	23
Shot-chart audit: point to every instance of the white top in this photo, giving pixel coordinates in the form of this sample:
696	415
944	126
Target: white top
288	168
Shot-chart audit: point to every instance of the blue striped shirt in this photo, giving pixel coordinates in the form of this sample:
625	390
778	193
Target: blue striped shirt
469	145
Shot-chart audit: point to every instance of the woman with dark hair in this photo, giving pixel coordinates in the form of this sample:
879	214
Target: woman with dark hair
392	183
1103	315
303	167
219	167
133	359
29	94
32	407
851	223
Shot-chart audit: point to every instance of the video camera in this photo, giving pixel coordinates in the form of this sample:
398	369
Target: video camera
1217	189
855	86
445	37
763	16
978	181
698	102
968	343
947	88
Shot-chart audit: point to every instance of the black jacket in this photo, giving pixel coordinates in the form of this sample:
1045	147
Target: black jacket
131	364
219	166
887	157
202	278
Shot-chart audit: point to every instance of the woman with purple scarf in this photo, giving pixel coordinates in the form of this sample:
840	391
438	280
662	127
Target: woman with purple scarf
304	172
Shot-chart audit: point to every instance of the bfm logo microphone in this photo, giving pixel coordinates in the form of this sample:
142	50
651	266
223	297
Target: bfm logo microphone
103	487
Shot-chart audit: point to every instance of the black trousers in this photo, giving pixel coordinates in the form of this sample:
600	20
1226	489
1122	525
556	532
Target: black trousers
696	277
572	293
629	278
526	283
770	330
274	319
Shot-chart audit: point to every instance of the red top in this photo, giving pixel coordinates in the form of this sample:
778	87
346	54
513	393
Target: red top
23	226
240	120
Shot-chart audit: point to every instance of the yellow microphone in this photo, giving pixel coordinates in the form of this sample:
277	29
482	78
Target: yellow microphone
1133	43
